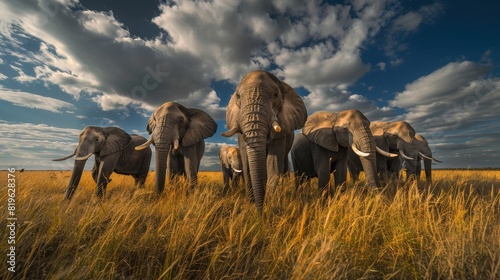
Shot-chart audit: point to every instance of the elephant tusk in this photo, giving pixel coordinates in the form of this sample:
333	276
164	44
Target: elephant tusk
85	157
237	170
384	153
276	126
424	156
230	132
405	156
145	145
176	144
358	152
64	158
436	160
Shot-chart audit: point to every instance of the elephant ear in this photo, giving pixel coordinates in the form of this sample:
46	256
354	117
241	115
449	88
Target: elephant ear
201	126
319	129
293	113
377	128
223	156
232	112
151	123
116	140
404	130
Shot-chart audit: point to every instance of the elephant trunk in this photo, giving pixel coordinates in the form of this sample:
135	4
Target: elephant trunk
161	167
364	140
163	144
258	174
75	178
255	128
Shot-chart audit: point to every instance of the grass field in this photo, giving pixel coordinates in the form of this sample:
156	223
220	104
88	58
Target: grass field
448	231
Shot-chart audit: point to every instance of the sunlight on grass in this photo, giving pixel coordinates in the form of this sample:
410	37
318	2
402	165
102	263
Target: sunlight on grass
448	230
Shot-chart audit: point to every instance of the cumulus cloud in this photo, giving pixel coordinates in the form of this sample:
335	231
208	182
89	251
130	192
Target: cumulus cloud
406	22
200	42
30	100
28	145
455	106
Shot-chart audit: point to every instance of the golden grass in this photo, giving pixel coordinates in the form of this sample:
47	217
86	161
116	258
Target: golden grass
450	230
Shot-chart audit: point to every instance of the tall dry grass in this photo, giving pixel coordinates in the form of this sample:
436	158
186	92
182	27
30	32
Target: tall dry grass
450	230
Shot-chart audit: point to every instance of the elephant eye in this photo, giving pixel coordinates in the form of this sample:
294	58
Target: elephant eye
97	139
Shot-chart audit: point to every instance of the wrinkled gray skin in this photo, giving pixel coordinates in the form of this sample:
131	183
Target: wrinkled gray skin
178	135
425	154
232	168
322	147
397	138
114	151
264	112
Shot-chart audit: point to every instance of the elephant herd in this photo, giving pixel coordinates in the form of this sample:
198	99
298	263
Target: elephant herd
264	112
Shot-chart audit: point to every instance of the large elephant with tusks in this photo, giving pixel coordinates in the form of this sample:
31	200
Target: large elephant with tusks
178	135
114	151
264	112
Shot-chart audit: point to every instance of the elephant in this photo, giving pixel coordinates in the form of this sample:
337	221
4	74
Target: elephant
230	162
425	154
391	139
264	112
178	135
114	151
322	147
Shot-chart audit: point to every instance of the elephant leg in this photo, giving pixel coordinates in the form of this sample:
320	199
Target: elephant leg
354	174
143	172
321	161
299	174
323	170
191	165
102	178
173	167
235	180
95	171
418	169
106	167
340	174
353	162
275	162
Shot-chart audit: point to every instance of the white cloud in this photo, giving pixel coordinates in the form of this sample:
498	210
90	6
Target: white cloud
30	100
407	22
452	82
3	77
381	66
104	24
109	102
201	42
456	96
32	146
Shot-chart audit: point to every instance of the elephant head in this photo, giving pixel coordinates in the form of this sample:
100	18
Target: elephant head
349	129
262	109
100	141
425	153
230	158
172	125
397	137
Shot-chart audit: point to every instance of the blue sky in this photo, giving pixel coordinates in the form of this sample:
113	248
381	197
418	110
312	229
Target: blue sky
67	64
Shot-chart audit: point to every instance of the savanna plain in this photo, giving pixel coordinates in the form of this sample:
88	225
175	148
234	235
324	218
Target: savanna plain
450	230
